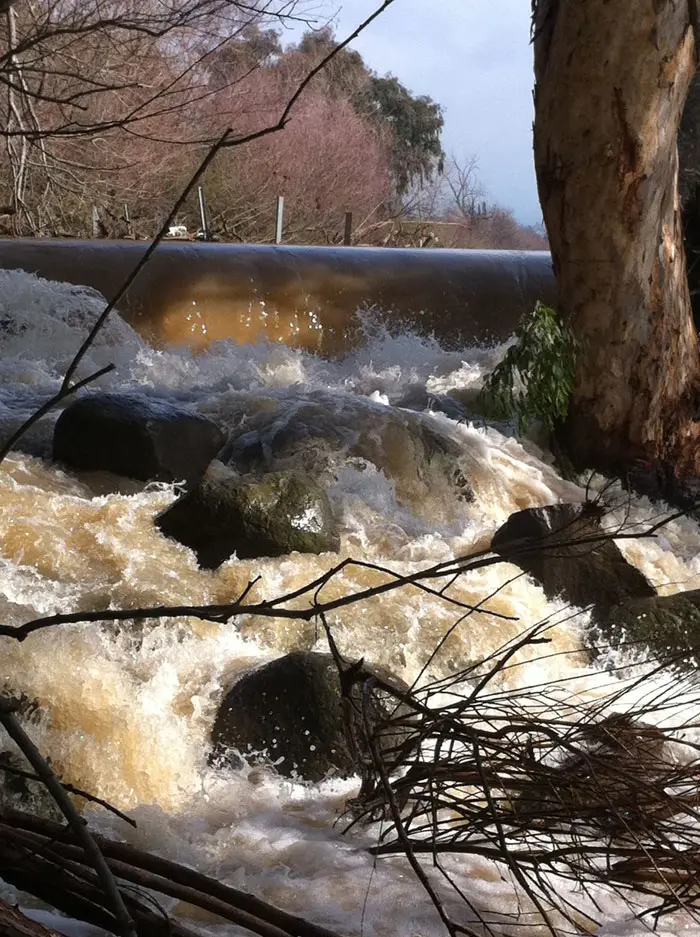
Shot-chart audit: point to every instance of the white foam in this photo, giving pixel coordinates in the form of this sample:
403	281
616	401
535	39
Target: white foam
127	714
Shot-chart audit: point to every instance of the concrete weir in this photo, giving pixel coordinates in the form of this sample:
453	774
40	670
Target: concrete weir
195	293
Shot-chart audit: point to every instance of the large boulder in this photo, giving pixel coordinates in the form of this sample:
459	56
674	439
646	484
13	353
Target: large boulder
152	440
320	435
664	627
271	515
542	542
291	714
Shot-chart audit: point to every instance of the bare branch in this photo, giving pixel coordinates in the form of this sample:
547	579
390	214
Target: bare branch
166	877
276	608
35	758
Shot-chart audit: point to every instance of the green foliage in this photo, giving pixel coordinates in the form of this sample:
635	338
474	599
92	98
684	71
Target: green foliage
535	378
416	124
345	72
250	48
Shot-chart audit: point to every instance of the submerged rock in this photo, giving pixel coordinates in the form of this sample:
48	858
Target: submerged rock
277	513
291	714
585	574
418	398
320	435
152	440
667	627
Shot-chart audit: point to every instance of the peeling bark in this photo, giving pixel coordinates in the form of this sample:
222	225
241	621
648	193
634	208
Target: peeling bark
14	924
612	77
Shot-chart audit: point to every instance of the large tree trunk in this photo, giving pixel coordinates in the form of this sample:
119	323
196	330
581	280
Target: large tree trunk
611	80
689	186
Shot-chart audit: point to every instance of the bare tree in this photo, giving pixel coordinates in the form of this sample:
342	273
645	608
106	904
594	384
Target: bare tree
451	210
73	96
460	178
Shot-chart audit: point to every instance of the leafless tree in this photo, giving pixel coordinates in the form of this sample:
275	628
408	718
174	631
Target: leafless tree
451	210
81	79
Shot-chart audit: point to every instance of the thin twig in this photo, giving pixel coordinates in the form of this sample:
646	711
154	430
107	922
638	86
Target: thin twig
224	141
78	792
128	282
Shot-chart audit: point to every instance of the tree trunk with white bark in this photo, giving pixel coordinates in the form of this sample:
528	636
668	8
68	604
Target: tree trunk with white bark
612	78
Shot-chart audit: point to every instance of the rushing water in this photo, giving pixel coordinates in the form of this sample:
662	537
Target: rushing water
196	293
126	713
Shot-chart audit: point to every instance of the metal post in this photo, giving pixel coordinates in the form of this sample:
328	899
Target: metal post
279	219
203	224
347	233
127	219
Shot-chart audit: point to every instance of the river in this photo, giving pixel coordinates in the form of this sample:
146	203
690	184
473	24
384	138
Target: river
126	714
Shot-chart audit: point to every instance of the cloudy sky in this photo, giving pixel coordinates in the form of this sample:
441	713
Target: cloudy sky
474	58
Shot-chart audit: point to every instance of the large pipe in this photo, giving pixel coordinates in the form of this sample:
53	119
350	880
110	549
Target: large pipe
194	293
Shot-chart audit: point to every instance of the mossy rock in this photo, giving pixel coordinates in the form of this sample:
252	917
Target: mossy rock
271	515
665	627
291	714
320	436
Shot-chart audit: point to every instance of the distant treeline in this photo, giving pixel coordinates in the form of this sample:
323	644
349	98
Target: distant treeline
105	119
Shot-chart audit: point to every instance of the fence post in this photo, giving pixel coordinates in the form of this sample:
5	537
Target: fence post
279	219
127	219
347	233
98	229
203	224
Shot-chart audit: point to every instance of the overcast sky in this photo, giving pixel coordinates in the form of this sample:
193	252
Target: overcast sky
474	58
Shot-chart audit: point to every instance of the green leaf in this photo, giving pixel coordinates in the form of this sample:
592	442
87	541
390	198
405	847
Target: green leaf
535	378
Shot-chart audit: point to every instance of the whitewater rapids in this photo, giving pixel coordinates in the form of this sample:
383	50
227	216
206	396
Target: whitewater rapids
126	713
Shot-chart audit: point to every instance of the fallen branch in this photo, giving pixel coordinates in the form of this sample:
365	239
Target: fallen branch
275	608
47	838
125	924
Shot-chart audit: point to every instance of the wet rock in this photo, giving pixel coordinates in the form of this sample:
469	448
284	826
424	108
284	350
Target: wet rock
291	714
418	398
665	627
152	440
320	435
271	515
584	574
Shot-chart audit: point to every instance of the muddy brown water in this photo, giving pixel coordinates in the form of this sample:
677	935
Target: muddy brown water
194	293
127	714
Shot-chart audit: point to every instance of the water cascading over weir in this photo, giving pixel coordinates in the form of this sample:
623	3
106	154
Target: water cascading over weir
333	397
194	293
